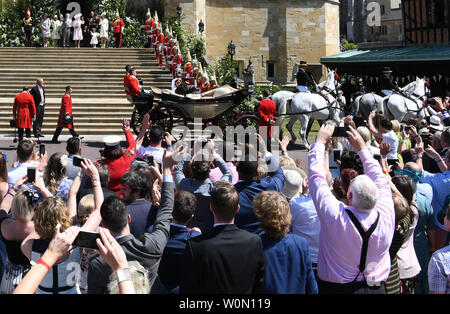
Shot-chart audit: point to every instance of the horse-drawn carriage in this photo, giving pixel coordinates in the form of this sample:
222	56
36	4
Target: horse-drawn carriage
171	110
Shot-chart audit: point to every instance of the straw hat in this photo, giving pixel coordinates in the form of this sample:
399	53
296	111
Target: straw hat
435	123
294	179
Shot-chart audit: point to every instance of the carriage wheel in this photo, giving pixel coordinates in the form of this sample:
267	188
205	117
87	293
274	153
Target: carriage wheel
136	121
170	119
247	120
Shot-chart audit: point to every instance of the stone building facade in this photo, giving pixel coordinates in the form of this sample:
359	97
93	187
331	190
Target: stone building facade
276	34
355	27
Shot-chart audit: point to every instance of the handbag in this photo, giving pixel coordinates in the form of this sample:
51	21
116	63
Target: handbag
67	119
12	123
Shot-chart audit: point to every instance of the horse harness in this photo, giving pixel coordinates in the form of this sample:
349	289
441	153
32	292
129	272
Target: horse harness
324	96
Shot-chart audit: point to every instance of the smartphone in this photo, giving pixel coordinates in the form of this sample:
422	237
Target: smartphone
336	155
392	162
42	149
77	161
31	174
340	131
150	160
377	158
87	239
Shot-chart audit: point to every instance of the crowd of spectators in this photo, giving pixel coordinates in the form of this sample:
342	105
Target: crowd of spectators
164	218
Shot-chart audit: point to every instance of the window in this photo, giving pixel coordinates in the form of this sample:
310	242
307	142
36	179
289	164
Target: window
383	11
437	12
270	70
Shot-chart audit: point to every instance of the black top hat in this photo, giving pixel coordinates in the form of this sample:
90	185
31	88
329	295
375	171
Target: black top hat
387	70
303	63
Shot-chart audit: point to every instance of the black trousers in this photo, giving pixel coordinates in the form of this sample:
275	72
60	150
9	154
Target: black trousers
20	131
118	37
28	31
37	125
58	132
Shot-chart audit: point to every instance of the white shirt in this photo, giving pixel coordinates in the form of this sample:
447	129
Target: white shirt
19	171
156	152
41	91
392	139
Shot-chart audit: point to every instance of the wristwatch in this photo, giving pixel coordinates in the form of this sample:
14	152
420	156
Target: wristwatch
122	274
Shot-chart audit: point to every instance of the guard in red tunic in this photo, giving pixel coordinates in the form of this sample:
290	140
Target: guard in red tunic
160	46
154	29
148	25
118	27
117	160
24	110
65	118
267	110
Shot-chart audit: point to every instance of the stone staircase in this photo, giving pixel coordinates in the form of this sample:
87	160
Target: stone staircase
96	76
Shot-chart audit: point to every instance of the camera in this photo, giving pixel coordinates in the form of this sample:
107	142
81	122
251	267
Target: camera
340	131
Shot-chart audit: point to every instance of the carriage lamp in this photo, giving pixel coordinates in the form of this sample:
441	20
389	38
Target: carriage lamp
231	49
201	26
179	10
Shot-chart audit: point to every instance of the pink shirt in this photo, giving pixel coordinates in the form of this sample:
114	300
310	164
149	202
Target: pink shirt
215	174
340	243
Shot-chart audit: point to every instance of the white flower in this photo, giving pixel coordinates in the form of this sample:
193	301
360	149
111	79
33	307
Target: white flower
4	36
128	19
64	160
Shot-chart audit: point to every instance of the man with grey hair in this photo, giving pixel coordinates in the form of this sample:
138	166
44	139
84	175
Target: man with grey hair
354	239
38	93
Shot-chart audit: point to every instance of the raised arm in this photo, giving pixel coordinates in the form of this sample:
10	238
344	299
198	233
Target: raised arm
72	199
227	175
146	123
157	239
95	218
325	202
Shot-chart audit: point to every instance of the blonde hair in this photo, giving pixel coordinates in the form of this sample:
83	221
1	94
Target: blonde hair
139	275
286	161
364	132
21	208
273	212
51	211
395	125
85	207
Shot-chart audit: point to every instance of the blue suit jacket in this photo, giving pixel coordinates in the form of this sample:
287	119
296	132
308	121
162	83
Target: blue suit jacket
288	266
248	190
169	268
142	216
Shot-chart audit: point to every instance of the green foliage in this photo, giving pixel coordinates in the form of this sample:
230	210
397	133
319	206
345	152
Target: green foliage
189	41
225	69
11	20
347	45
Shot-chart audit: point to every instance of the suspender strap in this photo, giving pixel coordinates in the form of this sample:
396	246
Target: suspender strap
365	235
55	279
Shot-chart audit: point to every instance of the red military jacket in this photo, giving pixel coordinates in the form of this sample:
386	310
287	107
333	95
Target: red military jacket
267	110
66	107
118	167
117	25
23	109
148	25
131	85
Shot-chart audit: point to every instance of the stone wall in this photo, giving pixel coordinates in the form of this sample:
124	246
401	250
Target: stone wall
282	32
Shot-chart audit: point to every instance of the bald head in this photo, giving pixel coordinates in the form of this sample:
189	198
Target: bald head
414	167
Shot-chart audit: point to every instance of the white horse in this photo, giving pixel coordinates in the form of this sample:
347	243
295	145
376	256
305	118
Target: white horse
400	108
367	103
309	107
280	98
